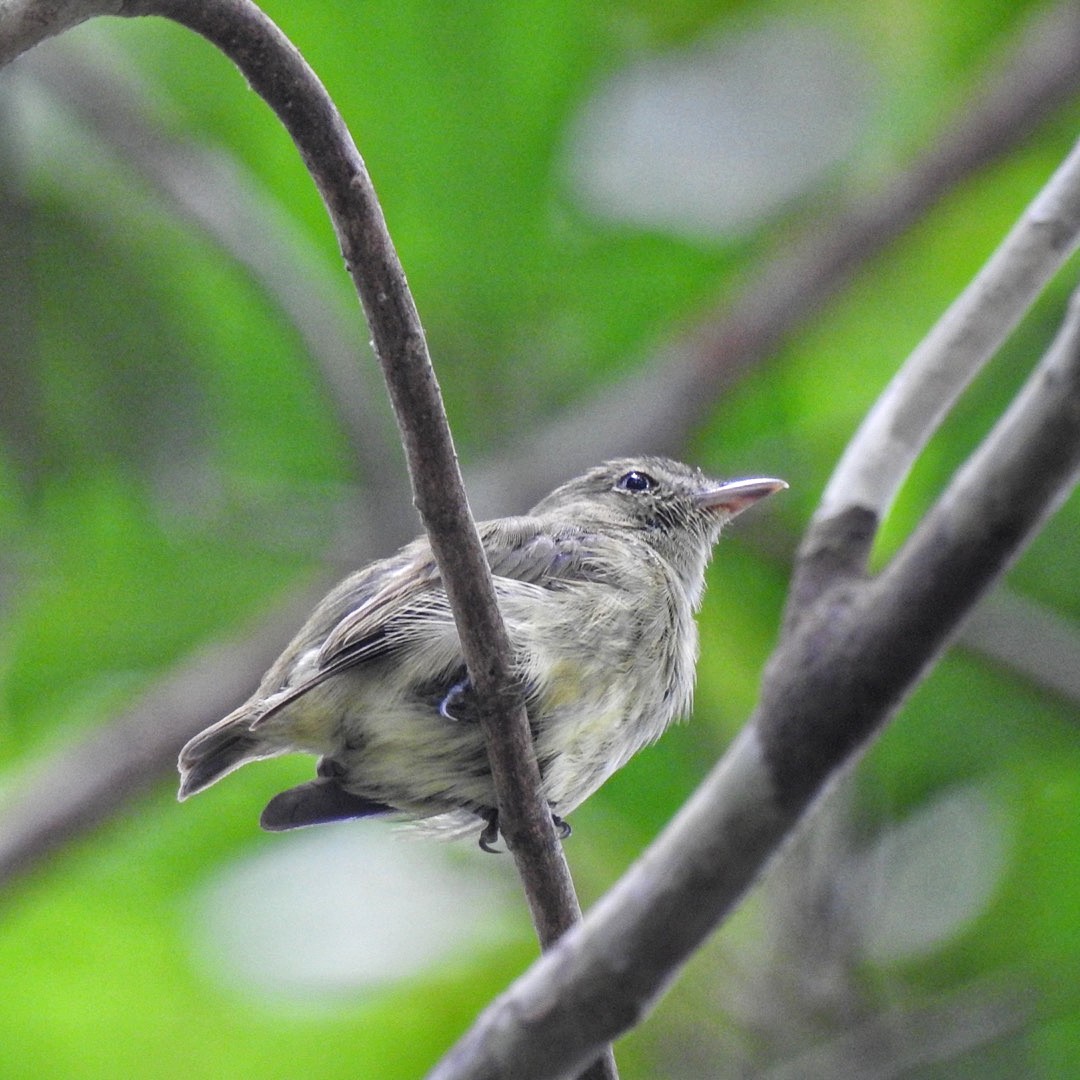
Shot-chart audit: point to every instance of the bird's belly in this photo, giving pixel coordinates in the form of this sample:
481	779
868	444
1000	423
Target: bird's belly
587	727
591	709
398	749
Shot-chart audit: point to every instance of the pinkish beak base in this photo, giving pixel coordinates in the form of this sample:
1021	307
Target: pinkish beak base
735	496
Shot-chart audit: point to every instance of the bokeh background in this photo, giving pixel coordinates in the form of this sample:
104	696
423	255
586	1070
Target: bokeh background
187	441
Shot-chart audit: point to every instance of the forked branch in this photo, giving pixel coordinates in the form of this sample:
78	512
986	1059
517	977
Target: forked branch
851	650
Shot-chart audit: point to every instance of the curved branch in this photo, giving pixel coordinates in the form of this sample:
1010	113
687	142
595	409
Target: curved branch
279	74
904	617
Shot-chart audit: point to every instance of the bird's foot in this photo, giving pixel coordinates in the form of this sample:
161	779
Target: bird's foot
490	835
456	700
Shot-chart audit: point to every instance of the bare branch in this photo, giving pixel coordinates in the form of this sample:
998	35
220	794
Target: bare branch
878	458
602	977
904	617
277	72
655	408
839	673
275	69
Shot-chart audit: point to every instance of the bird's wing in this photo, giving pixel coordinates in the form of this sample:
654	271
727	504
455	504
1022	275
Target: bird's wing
533	551
360	619
413	602
377	624
401	601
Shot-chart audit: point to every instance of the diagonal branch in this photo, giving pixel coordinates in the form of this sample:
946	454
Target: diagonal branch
839	673
656	407
879	456
858	648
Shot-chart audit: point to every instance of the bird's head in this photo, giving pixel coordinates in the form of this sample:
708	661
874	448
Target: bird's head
677	508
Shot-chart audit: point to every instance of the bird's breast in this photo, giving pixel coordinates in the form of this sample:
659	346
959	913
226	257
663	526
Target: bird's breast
605	679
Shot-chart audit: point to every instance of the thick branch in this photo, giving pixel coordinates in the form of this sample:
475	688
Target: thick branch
903	618
833	682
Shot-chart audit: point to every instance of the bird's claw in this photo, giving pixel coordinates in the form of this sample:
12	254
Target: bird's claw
490	833
455	694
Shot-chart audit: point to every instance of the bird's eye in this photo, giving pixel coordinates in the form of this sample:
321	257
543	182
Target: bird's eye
635	481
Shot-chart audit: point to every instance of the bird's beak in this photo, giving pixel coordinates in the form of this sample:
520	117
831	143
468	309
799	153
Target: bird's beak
735	496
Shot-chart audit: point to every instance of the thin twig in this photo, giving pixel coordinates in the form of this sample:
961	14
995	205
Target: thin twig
895	431
279	74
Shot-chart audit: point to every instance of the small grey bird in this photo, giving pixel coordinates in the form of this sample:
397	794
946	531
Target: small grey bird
598	585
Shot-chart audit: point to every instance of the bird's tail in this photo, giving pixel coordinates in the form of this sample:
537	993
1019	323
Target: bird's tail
218	750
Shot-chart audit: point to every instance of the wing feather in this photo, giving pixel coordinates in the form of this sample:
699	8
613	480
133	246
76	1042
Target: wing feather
408	602
401	600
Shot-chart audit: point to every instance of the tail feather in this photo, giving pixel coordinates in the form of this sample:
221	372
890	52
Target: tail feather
316	803
217	751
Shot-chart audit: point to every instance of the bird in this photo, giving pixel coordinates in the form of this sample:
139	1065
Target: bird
598	585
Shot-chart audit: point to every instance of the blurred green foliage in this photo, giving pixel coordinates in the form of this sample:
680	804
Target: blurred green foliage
169	465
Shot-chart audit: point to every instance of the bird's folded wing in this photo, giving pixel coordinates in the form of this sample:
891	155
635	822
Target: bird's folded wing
412	601
405	606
